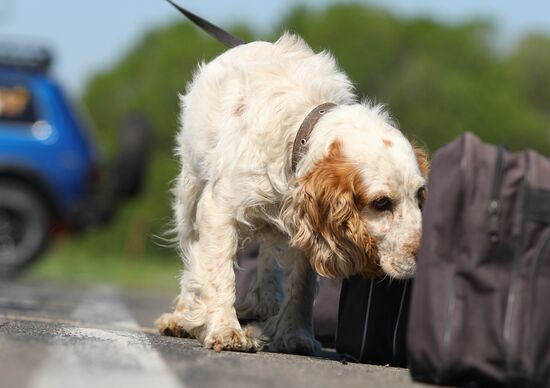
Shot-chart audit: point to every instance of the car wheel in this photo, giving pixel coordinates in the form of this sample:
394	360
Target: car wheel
134	148
24	222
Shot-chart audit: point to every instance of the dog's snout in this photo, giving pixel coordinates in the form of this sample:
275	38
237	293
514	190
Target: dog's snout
411	249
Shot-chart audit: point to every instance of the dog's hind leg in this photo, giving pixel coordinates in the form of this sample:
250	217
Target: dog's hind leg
291	331
265	293
186	193
208	281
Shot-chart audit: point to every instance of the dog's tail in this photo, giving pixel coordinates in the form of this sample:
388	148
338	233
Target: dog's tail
219	34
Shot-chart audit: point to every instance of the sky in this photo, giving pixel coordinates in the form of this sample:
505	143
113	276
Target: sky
90	35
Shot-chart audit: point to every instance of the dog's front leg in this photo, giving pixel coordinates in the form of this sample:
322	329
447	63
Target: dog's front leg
291	331
206	304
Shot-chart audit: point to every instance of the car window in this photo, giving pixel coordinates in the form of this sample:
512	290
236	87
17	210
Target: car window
16	105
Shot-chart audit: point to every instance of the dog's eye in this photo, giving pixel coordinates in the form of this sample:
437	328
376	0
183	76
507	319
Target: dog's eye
421	196
382	204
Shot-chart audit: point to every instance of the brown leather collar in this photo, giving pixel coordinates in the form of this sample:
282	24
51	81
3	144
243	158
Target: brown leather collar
299	148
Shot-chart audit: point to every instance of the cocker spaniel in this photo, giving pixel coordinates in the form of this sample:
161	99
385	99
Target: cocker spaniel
274	146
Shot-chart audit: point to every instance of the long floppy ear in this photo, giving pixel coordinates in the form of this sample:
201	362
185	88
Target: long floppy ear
324	217
422	159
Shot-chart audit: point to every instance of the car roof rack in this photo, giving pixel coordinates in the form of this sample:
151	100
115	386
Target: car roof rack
26	57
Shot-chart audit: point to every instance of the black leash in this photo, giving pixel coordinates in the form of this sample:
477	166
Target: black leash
222	36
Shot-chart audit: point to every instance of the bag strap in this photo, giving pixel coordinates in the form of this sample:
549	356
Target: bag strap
219	34
537	204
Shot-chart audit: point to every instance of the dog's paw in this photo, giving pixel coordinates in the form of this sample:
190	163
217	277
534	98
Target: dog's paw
237	340
168	324
298	341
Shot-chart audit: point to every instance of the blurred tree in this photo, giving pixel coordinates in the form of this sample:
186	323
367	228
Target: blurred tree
438	81
530	66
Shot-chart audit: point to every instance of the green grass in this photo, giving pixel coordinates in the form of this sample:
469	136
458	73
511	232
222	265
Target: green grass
66	263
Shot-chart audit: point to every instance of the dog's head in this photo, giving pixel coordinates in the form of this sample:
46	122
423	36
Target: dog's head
357	209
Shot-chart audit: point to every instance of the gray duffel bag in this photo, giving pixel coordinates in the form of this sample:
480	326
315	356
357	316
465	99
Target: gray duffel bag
480	308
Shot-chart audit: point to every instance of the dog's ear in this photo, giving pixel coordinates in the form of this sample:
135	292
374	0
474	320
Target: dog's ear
422	159
324	216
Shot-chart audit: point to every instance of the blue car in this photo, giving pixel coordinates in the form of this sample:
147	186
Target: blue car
50	168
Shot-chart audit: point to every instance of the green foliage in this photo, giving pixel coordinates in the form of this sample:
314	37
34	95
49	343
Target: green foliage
530	68
149	80
73	262
437	80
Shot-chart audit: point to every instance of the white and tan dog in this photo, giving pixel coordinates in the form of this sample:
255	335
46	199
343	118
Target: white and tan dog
352	205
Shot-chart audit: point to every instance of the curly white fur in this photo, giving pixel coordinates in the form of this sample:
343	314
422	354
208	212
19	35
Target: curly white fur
240	115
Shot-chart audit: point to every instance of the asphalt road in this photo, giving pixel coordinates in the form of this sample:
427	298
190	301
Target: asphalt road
53	336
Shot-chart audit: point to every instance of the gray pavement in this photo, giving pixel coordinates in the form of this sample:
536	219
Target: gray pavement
53	336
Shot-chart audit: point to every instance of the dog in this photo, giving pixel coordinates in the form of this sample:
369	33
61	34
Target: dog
341	197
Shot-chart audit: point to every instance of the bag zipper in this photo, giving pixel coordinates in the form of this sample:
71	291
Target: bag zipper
452	295
494	203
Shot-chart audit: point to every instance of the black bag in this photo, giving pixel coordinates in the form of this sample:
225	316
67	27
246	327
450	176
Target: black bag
372	321
479	313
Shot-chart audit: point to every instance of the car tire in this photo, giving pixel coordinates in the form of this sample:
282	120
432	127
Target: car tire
134	148
24	227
